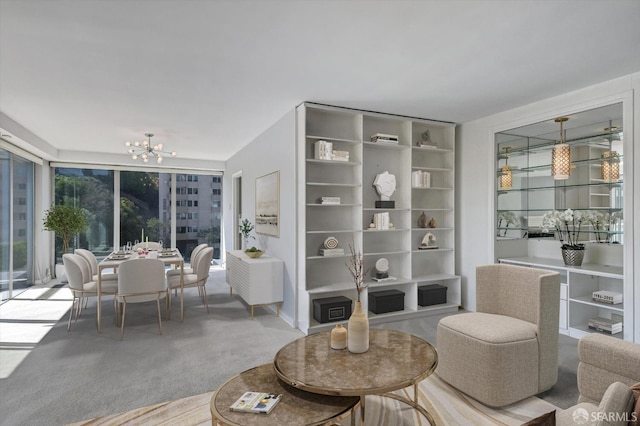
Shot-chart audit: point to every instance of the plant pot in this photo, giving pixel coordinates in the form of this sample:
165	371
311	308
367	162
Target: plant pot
572	256
358	331
254	254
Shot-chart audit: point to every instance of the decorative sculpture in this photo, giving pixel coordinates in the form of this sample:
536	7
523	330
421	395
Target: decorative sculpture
385	184
432	223
422	220
427	241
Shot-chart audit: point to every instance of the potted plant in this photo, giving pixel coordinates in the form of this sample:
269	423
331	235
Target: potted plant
245	229
66	222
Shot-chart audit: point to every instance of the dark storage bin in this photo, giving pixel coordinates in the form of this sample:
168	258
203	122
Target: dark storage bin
381	302
332	309
432	294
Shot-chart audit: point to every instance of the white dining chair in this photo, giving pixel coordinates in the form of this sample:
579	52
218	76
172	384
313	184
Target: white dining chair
197	278
93	264
194	253
141	280
80	283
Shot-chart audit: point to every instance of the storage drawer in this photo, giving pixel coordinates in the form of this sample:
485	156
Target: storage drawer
332	309
432	294
381	302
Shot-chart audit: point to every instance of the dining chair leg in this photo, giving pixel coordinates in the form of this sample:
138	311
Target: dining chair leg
204	298
73	302
124	311
181	303
168	304
159	316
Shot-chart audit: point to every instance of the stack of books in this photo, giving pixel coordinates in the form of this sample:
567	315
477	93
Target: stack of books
605	325
420	179
380	221
384	138
340	155
323	150
332	252
607	297
329	200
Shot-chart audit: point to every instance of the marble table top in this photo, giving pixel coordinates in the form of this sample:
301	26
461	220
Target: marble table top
295	408
394	361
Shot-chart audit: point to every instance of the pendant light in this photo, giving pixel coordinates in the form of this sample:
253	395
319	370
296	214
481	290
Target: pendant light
506	175
610	165
561	155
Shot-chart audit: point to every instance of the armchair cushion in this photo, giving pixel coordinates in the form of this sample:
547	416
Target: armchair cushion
491	328
635	420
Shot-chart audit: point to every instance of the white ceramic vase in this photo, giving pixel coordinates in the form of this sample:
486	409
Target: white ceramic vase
358	331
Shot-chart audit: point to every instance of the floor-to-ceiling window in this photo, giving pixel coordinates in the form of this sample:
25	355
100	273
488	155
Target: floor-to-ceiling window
145	207
198	212
16	224
92	191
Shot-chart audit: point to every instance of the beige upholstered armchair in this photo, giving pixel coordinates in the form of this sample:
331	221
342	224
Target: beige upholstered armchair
508	349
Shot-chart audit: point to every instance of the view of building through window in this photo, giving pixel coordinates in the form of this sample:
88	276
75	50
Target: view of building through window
145	208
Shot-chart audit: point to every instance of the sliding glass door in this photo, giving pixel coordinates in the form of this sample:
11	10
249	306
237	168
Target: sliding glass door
16	224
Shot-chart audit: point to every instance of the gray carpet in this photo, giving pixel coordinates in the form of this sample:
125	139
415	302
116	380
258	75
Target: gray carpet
79	375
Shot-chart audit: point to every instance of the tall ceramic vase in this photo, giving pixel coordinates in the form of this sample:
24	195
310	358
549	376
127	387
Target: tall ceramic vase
358	327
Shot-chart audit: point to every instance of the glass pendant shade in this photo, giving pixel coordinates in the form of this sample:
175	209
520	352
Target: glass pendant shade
561	156
561	161
506	177
610	166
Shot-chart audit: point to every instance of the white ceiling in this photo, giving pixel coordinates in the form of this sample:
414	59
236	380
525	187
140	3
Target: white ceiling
208	76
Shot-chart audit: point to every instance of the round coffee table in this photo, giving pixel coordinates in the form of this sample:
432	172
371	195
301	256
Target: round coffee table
394	361
295	408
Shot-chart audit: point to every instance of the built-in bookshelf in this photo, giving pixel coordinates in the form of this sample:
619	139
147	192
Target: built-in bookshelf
350	179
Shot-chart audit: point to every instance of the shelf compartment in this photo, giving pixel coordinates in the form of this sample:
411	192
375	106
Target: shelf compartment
382	145
328	139
587	300
333	231
332	162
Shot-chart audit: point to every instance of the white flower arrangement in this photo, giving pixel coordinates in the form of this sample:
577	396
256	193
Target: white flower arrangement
509	218
567	225
602	223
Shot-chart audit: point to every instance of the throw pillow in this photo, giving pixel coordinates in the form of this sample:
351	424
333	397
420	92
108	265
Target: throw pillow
635	415
547	419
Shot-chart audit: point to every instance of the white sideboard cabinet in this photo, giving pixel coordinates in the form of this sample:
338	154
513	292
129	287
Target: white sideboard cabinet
258	281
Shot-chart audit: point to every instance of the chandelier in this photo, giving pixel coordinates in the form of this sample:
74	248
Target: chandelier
144	150
561	155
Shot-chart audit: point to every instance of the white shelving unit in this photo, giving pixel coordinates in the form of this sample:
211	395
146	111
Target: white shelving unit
327	276
576	303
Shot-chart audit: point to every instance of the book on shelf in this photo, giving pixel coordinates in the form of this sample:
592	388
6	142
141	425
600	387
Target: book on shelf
605	325
381	280
332	252
329	200
609	297
323	150
383	137
256	402
340	155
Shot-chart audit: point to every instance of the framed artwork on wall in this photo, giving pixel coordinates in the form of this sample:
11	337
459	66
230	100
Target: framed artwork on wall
268	204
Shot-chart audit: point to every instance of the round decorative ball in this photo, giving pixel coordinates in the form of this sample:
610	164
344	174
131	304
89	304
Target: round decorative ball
331	243
382	265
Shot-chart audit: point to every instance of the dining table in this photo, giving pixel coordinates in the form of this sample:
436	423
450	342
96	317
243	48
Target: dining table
170	257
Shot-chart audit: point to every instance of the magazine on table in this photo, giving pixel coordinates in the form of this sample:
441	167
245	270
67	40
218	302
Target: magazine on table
256	402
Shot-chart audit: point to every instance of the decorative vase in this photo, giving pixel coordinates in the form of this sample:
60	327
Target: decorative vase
572	257
358	331
339	337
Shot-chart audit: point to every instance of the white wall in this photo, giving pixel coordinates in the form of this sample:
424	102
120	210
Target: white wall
475	153
274	149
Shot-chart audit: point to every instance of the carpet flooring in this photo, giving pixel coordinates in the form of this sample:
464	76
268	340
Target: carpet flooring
66	377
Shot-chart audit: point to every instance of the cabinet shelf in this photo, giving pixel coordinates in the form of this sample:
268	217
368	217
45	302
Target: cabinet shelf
438	188
432	169
589	301
337	185
373	209
335	256
434	277
332	205
348	141
369	230
438	150
385	253
558	187
383	145
332	162
431	229
333	231
432	250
